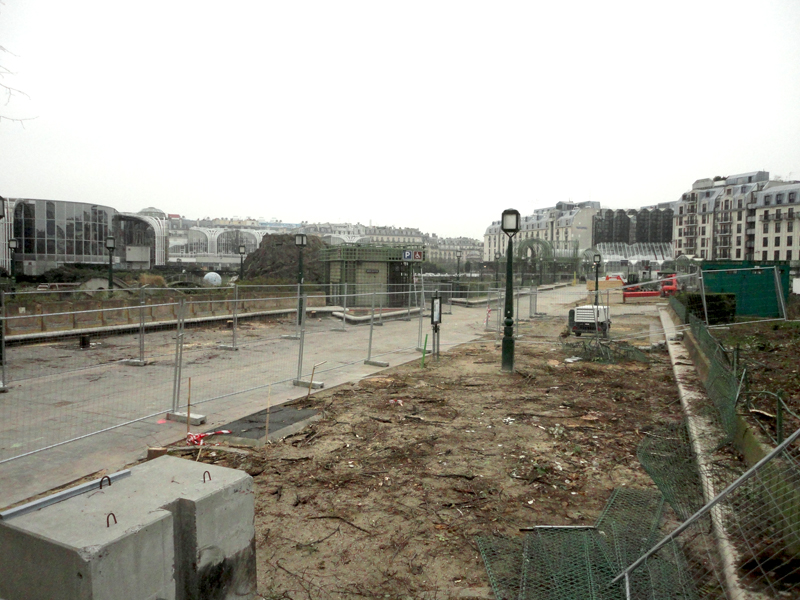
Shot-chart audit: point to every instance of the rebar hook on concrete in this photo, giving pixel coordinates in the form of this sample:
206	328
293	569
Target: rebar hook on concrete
204	476
108	523
103	478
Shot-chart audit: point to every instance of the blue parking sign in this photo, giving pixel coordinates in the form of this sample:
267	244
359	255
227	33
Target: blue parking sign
407	254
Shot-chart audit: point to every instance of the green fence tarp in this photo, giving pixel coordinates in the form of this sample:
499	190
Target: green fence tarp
756	290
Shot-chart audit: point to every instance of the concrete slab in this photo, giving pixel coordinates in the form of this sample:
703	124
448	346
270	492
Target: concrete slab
183	530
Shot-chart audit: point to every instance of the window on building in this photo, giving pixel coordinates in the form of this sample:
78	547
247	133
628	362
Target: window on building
738	253
777	241
778	227
791	213
767	200
790	227
766	227
788	255
703	208
702	242
739	216
680	221
764	255
792	196
778	198
702	231
738	240
680	232
738	228
789	240
729	191
765	242
776	255
702	253
739	203
778	213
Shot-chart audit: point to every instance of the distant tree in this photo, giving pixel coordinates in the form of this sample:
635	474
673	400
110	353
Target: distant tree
429	267
8	91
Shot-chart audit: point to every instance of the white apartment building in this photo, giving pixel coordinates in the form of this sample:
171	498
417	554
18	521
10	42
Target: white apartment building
443	250
777	222
741	217
567	226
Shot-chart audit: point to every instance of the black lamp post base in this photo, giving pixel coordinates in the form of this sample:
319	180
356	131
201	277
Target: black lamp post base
508	349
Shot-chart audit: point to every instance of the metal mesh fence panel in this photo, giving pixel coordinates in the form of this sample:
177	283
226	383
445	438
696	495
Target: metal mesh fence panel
721	384
743	543
666	455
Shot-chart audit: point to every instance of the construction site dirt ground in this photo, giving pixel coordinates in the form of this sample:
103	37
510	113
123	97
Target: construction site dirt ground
383	496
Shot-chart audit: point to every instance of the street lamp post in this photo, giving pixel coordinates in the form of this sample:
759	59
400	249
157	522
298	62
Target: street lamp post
12	247
301	241
597	259
510	226
497	269
458	271
111	243
242	252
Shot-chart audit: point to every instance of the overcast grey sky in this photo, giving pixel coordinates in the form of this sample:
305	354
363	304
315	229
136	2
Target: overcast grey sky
434	114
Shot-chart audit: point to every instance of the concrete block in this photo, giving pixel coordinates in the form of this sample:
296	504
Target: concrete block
184	530
181	417
67	552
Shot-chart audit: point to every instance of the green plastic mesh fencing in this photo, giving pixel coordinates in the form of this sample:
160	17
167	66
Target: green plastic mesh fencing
744	545
678	307
605	351
502	558
666	455
564	563
721	383
629	523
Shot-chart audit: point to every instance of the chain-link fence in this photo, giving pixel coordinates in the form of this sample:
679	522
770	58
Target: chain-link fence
76	363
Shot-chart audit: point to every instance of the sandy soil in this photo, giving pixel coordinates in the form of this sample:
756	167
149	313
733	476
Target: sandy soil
383	497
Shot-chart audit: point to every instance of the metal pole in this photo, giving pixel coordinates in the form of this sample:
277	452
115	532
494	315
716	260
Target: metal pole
380	316
176	383
298	320
369	361
421	306
703	296
508	331
3	339
371	328
302	336
141	324
344	307
110	269
779	292
596	283
235	312
301	305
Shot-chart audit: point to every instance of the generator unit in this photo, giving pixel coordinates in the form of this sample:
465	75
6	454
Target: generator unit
590	319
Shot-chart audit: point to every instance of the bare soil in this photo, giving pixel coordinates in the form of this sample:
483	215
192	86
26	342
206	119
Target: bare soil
769	352
382	497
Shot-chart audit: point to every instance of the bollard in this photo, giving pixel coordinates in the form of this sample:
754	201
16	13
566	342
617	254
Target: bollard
85	341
